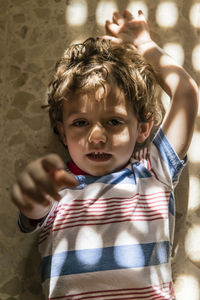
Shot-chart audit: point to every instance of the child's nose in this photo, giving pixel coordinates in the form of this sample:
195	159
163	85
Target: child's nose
97	134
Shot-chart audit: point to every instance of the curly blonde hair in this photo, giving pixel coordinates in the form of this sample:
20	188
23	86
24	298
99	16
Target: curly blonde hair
96	62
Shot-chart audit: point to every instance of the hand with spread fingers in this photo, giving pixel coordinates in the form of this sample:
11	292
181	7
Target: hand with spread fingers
37	186
128	29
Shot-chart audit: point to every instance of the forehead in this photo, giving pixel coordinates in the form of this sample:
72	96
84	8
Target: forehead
107	98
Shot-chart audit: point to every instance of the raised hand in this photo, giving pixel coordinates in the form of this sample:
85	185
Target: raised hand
128	29
37	186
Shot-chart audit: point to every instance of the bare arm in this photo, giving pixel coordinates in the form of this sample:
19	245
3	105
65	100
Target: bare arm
178	123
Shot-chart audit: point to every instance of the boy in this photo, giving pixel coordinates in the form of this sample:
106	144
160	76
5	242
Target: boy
107	234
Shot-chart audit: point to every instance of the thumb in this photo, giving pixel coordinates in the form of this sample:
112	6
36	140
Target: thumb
64	179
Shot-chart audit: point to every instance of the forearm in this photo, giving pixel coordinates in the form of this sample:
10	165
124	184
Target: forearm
178	123
172	78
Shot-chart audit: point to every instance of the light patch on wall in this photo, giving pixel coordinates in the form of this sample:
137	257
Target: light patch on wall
192	243
187	287
194	196
167	14
195	15
199	102
104	11
134	6
196	57
193	154
176	51
77	12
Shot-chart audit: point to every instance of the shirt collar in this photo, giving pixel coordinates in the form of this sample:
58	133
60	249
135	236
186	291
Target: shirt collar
75	169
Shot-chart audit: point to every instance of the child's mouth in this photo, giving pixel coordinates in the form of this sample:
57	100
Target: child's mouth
99	156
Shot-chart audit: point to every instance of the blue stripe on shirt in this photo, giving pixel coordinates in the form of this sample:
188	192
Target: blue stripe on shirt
125	176
104	259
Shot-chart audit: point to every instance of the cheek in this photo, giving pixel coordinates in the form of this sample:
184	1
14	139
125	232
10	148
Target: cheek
74	141
122	138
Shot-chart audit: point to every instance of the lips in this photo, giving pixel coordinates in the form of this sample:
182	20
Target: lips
99	156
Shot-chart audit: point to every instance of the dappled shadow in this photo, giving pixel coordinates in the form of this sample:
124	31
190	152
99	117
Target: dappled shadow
161	36
91	28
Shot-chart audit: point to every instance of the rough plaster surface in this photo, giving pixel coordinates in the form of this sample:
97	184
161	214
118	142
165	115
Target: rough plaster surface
33	35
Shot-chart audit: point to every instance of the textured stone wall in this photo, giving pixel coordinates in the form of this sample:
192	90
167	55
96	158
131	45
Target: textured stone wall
33	35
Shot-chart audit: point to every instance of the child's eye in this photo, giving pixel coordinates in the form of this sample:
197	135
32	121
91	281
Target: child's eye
115	122
80	123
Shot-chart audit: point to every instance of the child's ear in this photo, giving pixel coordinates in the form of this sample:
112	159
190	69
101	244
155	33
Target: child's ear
61	132
144	129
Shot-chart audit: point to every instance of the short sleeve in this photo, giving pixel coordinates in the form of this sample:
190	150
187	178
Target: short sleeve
165	162
27	225
161	160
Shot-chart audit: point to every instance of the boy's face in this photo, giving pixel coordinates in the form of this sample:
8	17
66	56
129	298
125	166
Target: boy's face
100	134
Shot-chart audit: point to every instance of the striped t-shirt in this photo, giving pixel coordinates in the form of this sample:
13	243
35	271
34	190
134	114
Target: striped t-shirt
111	237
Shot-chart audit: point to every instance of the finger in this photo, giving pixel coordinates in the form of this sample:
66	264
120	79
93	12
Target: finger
128	15
18	199
65	179
117	18
29	188
44	181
